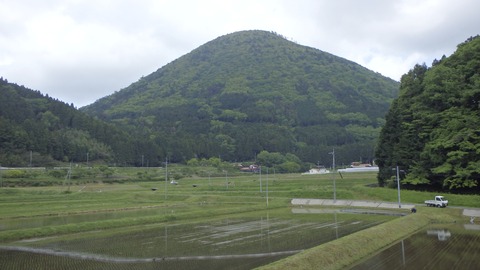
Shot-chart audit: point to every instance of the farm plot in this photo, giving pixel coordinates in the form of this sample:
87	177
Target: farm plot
245	242
35	222
439	248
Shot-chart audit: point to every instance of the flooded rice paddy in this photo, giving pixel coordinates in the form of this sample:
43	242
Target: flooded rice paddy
442	247
232	243
55	220
228	243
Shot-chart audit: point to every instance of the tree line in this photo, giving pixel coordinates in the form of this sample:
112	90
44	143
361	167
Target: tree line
37	130
432	130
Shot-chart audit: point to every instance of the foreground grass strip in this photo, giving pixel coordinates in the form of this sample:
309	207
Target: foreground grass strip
346	251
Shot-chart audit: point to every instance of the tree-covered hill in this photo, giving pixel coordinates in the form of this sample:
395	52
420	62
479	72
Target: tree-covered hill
254	91
38	130
432	129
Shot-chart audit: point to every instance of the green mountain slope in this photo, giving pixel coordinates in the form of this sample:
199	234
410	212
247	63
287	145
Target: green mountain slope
433	128
38	130
251	91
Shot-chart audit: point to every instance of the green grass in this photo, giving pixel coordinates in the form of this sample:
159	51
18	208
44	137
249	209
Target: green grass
204	198
345	251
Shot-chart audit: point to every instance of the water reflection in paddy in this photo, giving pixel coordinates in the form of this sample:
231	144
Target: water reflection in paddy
243	243
443	247
24	223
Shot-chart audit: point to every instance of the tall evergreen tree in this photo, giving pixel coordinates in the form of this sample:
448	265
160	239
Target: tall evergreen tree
432	129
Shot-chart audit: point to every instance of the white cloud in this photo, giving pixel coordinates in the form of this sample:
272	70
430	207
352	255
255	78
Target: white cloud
81	50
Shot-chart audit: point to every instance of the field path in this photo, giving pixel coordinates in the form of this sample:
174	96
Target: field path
102	258
353	203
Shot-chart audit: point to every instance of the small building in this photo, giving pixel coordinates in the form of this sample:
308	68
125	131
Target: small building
318	170
252	168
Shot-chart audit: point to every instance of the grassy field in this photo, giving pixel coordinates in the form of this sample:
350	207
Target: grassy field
206	198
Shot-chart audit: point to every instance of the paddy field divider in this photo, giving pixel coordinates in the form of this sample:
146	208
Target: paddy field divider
348	250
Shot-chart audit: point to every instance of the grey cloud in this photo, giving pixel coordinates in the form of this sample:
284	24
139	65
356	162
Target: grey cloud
120	41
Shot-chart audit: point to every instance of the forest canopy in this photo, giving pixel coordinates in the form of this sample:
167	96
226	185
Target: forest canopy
37	130
235	98
253	91
432	130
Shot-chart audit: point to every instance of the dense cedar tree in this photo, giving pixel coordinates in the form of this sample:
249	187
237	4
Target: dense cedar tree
432	130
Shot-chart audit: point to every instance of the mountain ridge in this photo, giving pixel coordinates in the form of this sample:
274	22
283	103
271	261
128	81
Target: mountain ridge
239	82
200	57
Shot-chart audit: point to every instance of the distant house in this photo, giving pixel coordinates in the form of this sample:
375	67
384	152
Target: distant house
252	168
318	170
360	167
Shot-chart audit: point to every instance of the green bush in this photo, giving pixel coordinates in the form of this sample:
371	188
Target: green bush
14	174
57	173
289	167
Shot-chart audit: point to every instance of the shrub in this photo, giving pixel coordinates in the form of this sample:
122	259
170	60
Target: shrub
289	167
57	173
14	174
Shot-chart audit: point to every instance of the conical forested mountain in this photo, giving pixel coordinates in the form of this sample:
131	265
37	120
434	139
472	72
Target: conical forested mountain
432	130
254	91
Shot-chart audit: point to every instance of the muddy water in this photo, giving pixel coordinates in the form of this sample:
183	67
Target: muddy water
440	248
222	244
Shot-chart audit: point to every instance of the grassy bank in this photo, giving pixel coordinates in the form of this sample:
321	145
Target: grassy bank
348	250
25	212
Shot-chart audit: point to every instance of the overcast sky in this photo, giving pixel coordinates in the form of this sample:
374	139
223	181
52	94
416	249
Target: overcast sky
81	50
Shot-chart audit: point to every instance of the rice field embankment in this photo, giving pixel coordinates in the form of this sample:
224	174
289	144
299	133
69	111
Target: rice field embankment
346	251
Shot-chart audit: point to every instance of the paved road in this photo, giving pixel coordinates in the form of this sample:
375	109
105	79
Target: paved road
471	212
353	203
475	212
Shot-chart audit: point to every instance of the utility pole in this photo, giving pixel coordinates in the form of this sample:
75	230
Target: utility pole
260	179
267	187
333	171
226	179
166	178
398	188
69	175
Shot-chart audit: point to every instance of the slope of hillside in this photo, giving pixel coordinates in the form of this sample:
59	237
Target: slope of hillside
37	130
251	91
433	128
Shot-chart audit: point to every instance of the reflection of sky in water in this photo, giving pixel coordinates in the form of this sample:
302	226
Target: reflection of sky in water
440	248
213	245
23	223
